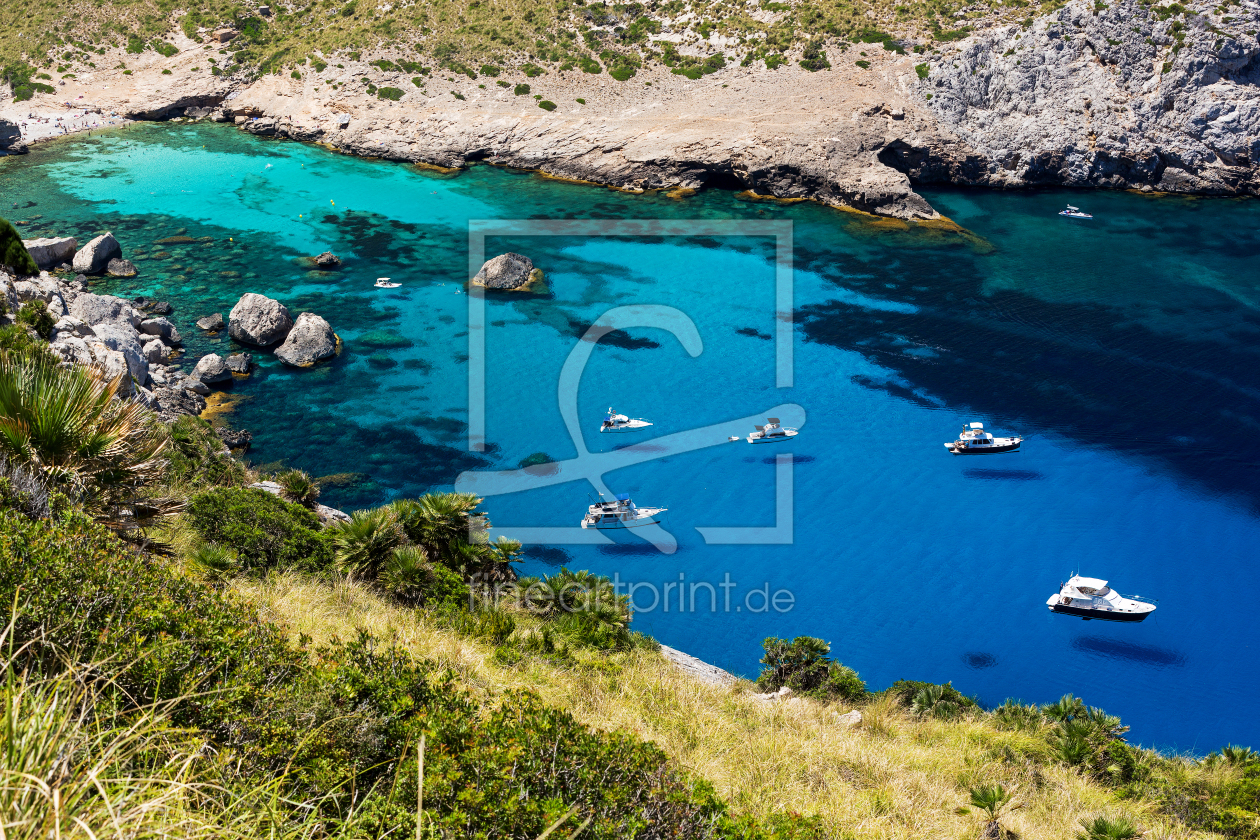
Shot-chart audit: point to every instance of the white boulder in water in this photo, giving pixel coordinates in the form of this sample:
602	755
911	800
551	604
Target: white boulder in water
50	252
310	340
259	320
93	257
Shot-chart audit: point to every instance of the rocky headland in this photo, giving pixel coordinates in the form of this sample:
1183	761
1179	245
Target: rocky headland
1120	95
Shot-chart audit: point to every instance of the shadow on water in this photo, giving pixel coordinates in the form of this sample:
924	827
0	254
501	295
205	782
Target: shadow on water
796	459
1003	475
979	660
1128	651
546	554
1086	371
636	549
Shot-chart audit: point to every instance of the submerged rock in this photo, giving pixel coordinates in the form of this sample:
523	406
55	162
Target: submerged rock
93	257
51	251
327	261
259	320
212	368
118	267
508	271
310	340
240	363
211	323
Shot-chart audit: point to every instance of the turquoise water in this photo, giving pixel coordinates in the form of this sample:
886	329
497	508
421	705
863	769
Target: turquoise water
1125	347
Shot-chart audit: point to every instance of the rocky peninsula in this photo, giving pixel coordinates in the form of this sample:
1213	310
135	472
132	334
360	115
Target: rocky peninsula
1124	95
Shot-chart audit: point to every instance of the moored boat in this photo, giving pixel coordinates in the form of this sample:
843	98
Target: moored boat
974	440
772	432
614	422
1074	213
620	513
1091	598
384	283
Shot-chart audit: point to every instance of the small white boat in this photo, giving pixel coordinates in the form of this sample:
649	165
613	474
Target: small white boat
772	432
1091	598
974	440
383	283
1074	213
620	513
614	422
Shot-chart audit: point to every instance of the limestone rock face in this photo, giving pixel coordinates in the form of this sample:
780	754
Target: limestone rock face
212	368
69	326
125	341
155	352
121	268
1090	96
259	320
93	257
51	252
104	309
310	340
10	134
211	323
507	271
43	287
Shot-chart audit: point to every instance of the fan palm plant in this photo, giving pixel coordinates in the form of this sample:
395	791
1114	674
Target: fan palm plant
298	487
991	799
65	424
438	521
364	544
1064	709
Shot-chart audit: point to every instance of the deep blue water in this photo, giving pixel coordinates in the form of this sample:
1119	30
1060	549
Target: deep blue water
1127	348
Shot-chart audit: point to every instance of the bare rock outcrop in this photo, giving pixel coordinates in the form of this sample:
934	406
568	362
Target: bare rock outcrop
211	368
93	257
508	272
1124	95
52	251
259	320
310	340
104	309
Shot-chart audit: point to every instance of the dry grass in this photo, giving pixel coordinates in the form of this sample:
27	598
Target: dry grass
893	776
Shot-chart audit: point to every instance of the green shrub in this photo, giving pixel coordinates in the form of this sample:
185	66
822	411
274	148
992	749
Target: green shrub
35	314
531	70
165	48
923	698
391	93
622	73
814	56
135	44
417	81
589	65
521	89
489	70
865	65
804	666
295	75
547	105
13	254
411	578
198	456
580	101
922	70
319	66
264	530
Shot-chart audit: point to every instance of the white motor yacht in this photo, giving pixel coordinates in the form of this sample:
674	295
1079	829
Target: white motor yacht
1074	213
1090	598
974	440
383	283
772	432
614	422
620	513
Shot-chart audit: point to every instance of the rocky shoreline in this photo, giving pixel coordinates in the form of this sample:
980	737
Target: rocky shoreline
1121	96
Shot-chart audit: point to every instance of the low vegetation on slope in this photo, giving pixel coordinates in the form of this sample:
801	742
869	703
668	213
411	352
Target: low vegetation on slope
478	38
222	665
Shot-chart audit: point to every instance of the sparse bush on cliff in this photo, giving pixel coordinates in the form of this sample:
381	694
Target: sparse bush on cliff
521	90
363	545
13	254
804	666
298	487
265	531
814	56
547	105
391	93
35	314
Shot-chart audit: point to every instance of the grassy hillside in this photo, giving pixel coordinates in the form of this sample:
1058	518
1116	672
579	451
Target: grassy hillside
188	656
486	37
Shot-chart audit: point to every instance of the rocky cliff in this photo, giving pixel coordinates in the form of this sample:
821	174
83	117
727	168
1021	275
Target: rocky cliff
1126	95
